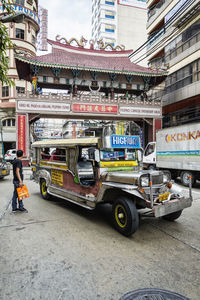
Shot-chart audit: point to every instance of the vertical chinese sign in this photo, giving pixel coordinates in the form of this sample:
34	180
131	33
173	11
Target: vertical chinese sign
21	138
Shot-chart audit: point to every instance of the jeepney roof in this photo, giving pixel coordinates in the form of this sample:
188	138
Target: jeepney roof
65	142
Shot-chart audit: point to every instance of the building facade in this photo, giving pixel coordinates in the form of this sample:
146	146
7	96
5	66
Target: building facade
174	44
119	22
23	35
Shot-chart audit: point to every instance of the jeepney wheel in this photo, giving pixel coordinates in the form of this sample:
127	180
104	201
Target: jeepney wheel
43	189
125	216
173	216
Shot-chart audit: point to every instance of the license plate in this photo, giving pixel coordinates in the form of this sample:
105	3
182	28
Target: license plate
4	172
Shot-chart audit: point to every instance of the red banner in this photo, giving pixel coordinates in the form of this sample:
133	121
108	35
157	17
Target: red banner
21	133
95	108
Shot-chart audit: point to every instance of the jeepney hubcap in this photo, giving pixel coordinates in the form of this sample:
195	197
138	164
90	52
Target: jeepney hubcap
120	216
44	188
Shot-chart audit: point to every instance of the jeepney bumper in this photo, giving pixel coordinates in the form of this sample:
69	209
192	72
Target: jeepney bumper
173	205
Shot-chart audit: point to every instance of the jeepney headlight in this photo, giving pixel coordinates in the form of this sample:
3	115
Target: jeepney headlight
144	181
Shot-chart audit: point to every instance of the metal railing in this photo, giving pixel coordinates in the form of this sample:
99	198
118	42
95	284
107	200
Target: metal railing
183	47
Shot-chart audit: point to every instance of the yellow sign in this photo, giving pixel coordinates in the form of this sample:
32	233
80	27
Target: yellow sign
57	177
106	164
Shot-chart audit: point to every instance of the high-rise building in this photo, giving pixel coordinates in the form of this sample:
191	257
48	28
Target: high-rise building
174	44
119	22
24	36
42	34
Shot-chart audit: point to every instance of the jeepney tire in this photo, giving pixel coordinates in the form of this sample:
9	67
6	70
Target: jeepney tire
173	216
128	224
185	178
43	189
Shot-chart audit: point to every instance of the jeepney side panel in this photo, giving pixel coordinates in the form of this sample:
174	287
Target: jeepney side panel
58	174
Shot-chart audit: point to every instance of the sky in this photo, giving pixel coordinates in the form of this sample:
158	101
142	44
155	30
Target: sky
68	18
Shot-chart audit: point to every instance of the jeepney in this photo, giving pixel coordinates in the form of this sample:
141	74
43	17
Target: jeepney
89	171
4	169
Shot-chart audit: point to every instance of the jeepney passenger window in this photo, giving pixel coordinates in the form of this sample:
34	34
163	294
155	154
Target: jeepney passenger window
72	160
58	155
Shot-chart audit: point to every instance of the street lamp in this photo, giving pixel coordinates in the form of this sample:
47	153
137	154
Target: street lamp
16	18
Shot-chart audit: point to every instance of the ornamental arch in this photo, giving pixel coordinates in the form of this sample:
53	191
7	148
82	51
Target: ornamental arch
98	84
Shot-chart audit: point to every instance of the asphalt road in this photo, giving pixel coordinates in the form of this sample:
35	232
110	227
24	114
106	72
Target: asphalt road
61	251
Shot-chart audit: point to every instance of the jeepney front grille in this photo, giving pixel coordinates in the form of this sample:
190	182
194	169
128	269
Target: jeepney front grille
157	179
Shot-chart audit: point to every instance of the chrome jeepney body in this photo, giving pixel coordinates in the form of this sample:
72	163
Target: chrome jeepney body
88	171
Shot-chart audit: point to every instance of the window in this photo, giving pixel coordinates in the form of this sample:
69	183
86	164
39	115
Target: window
109	28
20	89
109	14
33	40
110	41
110	2
183	77
9	123
19	33
150	149
20	2
5	91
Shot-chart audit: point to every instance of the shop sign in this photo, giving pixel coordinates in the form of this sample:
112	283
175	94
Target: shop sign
140	111
125	141
43	106
93	108
21	134
25	10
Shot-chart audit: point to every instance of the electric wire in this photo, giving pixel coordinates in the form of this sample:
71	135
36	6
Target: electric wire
165	26
165	40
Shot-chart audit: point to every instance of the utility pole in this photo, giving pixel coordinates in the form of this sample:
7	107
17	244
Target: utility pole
2	143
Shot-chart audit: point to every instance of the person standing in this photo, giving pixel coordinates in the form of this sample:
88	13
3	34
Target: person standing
17	181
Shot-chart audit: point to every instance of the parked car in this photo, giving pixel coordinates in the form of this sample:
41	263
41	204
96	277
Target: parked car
4	169
10	155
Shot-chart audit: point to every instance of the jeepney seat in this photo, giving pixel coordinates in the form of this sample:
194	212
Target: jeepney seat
85	172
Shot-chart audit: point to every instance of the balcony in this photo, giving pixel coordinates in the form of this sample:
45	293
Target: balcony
187	91
184	50
157	63
156	10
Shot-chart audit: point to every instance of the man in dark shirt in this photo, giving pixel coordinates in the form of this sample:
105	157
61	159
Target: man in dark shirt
17	181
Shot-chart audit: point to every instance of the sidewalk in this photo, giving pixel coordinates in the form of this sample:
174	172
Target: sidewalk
6	189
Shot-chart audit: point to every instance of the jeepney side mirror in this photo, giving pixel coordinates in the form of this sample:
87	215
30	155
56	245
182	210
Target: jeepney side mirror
96	155
93	154
140	155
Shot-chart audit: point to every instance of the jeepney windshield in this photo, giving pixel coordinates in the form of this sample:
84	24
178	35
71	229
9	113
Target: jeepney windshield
118	154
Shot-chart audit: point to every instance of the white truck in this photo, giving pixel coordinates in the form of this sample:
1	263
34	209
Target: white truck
177	149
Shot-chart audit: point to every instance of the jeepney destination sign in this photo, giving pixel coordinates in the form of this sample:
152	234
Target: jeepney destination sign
125	141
